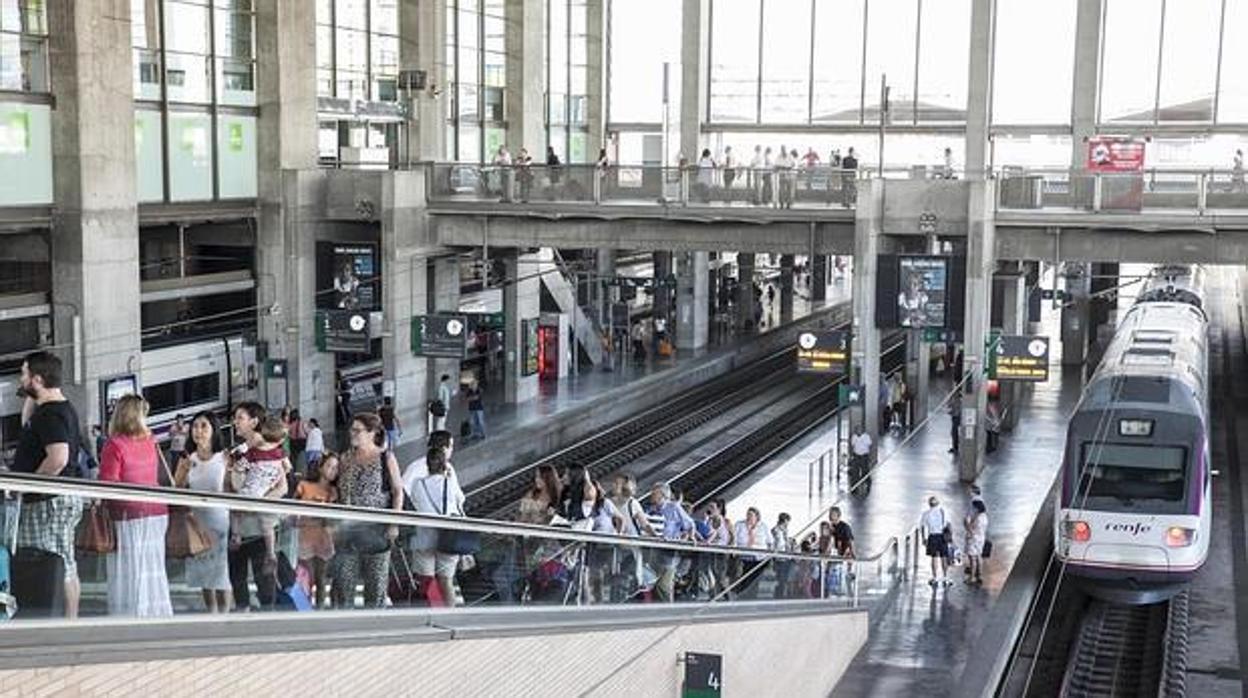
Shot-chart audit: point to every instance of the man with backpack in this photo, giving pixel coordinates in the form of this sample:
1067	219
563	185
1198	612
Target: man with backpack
934	527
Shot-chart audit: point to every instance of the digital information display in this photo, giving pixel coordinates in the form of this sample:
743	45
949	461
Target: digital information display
823	351
1022	358
345	331
922	291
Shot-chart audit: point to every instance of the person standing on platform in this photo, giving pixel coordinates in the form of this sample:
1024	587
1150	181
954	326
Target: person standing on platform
389	420
730	171
934	527
755	176
1237	170
849	179
314	447
177	439
476	410
440	407
860	454
781	543
976	523
676	524
955	420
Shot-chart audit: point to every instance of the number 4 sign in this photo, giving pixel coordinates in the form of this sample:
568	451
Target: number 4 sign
703	675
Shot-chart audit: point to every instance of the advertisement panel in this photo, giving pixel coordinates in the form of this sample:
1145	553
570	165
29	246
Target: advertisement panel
530	347
347	276
1115	154
923	291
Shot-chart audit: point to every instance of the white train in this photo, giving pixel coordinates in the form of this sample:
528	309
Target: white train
1133	518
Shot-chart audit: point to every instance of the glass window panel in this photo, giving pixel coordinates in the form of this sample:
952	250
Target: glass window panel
23	63
495	33
236	155
1189	60
495	138
146	74
466	30
578	147
578	79
1233	96
469	64
644	34
327	140
236	35
891	27
25	154
578	109
324	11
467	101
236	82
352	50
494	104
559	141
945	37
148	164
352	85
1129	61
187	78
351	13
10	62
144	30
838	61
558	108
495	69
186	27
246	5
324	47
24	16
385	17
324	83
1034	151
734	60
190	157
1034	65
469	143
786	61
385	55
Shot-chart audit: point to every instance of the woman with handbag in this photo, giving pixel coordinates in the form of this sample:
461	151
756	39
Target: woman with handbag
137	585
437	494
203	469
363	549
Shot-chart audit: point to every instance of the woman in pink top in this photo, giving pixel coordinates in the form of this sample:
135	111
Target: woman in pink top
137	585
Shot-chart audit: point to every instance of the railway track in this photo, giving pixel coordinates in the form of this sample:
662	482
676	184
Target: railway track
606	451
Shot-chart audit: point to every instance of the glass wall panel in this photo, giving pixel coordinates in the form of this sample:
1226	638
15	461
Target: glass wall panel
1233	89
1189	60
384	16
838	61
891	29
25	154
186	27
944	42
236	82
1129	60
148	161
1034	65
188	77
190	156
644	34
734	60
786	62
1034	151
469	142
236	154
385	67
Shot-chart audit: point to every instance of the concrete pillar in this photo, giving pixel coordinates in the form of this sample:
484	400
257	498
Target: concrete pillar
786	288
980	263
692	321
443	285
918	374
1013	322
526	77
1076	313
422	46
694	49
404	289
819	278
291	196
979	86
1088	19
95	229
596	73
604	285
745	289
521	301
868	229
663	268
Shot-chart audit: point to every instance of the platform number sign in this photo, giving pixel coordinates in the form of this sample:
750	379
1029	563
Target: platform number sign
704	675
1021	358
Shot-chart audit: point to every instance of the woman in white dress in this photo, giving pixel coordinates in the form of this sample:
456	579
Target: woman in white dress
976	533
203	469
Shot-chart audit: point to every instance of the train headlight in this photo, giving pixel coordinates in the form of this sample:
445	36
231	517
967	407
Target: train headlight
1078	531
1179	537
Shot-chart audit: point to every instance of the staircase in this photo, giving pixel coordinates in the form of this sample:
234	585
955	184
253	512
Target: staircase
556	278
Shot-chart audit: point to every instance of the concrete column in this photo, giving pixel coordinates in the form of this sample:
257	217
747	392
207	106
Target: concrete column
819	278
980	263
422	46
526	77
1076	314
1088	20
444	298
786	288
694	49
596	73
692	322
291	196
745	289
868	229
1013	322
521	301
979	87
663	268
404	289
95	229
918	374
605	265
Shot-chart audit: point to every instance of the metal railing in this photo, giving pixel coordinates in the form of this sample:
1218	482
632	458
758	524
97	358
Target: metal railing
1192	190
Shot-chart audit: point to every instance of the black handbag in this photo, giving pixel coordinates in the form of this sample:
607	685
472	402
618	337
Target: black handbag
453	541
987	553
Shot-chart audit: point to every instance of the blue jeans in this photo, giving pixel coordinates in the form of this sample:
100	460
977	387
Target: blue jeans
392	435
478	423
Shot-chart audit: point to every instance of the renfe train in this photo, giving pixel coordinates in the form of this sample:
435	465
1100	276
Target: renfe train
1133	519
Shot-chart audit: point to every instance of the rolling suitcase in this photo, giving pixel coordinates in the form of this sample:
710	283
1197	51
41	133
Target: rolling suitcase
38	578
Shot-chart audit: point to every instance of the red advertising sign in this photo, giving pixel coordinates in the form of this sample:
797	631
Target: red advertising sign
1115	154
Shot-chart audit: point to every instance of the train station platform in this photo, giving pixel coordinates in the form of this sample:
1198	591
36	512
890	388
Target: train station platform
570	409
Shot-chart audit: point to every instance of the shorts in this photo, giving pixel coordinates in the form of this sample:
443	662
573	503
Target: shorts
427	563
936	546
50	524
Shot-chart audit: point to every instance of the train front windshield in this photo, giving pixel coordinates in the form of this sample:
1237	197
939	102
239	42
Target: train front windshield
1124	477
